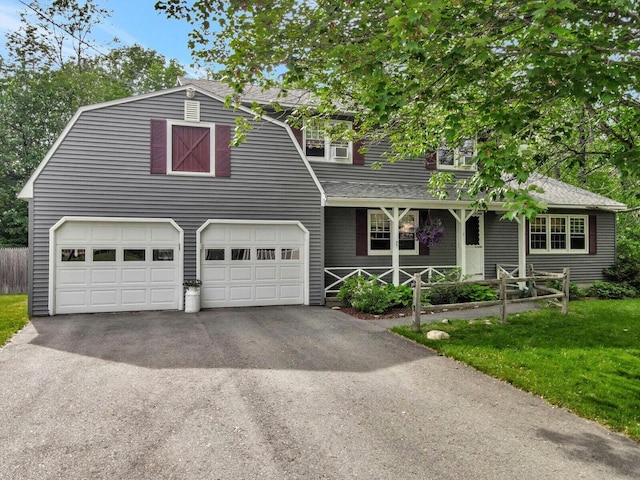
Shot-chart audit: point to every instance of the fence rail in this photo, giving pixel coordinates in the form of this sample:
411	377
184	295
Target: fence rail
13	270
502	283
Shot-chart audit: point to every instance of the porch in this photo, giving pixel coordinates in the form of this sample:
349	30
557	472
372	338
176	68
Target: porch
382	242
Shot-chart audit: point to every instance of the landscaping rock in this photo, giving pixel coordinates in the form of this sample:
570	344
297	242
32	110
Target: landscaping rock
437	335
445	320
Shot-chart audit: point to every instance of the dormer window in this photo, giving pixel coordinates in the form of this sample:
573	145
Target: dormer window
461	158
320	145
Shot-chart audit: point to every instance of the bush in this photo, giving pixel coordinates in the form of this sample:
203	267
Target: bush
350	285
611	290
574	289
626	268
460	294
371	296
400	295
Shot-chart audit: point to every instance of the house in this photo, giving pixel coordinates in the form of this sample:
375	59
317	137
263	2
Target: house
140	193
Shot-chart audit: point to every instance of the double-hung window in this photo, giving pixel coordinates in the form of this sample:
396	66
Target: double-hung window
379	231
559	234
461	158
322	141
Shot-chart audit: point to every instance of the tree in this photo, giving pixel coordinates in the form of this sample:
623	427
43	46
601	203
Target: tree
523	77
53	68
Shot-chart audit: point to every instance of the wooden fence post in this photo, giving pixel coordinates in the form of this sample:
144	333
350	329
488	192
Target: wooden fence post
503	297
565	289
417	306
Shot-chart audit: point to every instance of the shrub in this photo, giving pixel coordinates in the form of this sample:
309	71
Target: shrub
350	285
371	296
611	290
574	289
400	295
442	295
626	268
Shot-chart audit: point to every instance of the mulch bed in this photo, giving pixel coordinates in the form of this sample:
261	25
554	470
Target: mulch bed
393	313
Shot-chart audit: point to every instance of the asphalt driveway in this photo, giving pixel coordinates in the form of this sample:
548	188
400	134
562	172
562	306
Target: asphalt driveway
273	393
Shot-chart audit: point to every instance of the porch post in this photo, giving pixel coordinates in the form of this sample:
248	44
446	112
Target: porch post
461	241
522	246
395	245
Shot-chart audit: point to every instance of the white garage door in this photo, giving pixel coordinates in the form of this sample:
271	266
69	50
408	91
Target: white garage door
105	266
252	264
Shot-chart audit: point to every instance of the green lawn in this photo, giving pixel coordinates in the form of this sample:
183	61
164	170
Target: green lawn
587	362
13	315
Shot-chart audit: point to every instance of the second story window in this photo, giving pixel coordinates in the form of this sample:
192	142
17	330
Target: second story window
461	158
320	145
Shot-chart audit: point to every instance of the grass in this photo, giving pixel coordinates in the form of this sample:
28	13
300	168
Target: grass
13	315
587	362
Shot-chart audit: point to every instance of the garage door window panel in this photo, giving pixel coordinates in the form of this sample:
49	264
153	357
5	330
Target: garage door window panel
266	254
214	255
239	254
134	255
163	255
73	255
104	254
290	254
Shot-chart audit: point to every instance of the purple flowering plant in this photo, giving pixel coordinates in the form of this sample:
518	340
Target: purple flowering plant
430	232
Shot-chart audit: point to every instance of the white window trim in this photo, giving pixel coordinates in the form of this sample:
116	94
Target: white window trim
568	250
327	146
457	156
416	248
212	149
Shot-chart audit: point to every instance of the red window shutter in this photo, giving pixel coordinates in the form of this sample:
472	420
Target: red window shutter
593	235
223	151
358	158
431	161
158	142
423	215
299	136
190	149
362	235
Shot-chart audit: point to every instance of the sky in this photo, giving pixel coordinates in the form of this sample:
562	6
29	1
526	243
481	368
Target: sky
132	21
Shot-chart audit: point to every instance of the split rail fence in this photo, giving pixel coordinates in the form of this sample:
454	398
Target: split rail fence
13	270
534	283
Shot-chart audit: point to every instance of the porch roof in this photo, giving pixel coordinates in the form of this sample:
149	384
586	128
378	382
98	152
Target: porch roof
556	194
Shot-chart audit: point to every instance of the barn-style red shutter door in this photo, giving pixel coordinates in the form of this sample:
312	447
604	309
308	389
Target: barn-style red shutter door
191	149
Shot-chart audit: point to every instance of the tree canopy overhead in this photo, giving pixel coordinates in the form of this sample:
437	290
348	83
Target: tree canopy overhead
534	81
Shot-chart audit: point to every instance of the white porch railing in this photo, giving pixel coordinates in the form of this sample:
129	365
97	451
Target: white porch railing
512	271
337	275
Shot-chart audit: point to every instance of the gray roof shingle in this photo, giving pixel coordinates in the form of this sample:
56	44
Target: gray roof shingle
555	193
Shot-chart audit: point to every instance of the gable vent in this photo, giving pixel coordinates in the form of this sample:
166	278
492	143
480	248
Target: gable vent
191	111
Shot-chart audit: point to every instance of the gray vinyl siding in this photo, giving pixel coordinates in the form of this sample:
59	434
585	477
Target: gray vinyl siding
500	243
101	169
340	243
408	171
501	247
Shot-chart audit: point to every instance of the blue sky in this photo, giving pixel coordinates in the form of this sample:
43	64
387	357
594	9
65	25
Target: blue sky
132	21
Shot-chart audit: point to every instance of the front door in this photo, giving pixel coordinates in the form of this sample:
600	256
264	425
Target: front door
474	248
